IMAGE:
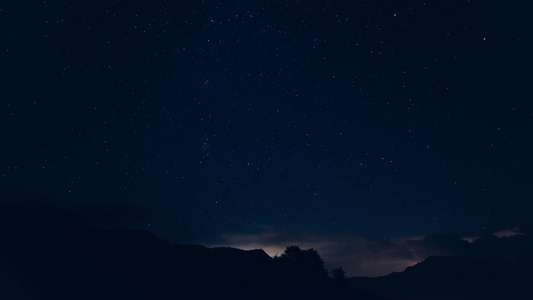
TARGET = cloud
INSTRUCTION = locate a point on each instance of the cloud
(440, 245)
(508, 232)
(363, 256)
(358, 255)
(89, 211)
(105, 215)
(108, 215)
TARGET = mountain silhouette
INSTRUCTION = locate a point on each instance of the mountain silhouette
(449, 278)
(48, 253)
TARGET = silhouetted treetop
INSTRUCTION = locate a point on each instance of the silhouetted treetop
(339, 275)
(301, 267)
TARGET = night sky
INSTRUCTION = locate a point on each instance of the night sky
(347, 126)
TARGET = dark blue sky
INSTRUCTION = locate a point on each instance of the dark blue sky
(366, 118)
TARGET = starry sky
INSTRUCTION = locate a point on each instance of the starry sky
(331, 124)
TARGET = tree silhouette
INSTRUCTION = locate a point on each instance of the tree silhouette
(339, 275)
(301, 268)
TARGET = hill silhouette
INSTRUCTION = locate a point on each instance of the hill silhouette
(453, 278)
(48, 253)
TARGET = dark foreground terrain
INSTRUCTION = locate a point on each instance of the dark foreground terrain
(48, 253)
(453, 278)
